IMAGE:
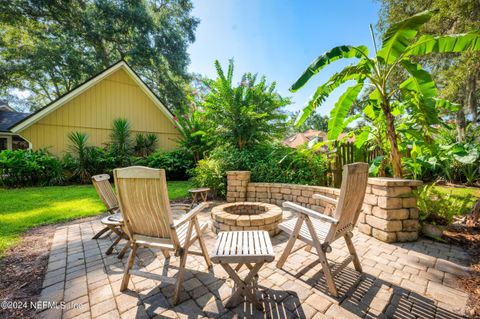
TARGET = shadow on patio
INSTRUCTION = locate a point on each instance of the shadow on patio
(397, 282)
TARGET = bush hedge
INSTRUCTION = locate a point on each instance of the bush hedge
(268, 163)
(22, 168)
(27, 168)
(176, 163)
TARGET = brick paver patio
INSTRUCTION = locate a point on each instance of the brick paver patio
(409, 280)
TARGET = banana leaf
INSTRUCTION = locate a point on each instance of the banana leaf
(337, 53)
(400, 35)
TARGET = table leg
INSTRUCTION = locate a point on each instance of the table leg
(246, 287)
(194, 200)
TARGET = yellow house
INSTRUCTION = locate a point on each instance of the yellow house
(117, 92)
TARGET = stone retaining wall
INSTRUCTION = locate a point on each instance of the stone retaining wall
(389, 212)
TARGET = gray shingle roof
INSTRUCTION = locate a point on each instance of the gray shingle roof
(8, 119)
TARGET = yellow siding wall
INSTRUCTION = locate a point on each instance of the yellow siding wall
(93, 112)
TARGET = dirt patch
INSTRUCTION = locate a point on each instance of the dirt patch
(22, 270)
(469, 239)
(23, 267)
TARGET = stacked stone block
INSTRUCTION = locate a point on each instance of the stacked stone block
(390, 210)
(237, 182)
(277, 193)
(246, 216)
(389, 213)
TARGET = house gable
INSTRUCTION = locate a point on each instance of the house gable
(118, 94)
(34, 117)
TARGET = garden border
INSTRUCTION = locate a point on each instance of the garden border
(389, 213)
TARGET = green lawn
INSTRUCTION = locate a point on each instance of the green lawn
(460, 197)
(460, 191)
(25, 208)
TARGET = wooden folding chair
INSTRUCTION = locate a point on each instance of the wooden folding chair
(319, 231)
(107, 195)
(142, 193)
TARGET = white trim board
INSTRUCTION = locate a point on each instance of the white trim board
(84, 87)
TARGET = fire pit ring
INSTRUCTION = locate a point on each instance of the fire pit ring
(247, 216)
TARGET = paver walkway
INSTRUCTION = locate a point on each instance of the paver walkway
(410, 280)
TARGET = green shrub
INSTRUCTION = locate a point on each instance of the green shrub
(439, 208)
(272, 163)
(120, 146)
(176, 163)
(27, 168)
(145, 144)
(95, 160)
(210, 172)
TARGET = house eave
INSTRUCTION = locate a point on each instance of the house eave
(49, 108)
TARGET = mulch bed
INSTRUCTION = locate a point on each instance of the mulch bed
(469, 239)
(22, 270)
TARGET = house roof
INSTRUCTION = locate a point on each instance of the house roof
(4, 107)
(302, 138)
(52, 106)
(8, 119)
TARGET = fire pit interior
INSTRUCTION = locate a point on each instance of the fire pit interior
(247, 216)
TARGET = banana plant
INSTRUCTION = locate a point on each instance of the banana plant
(417, 93)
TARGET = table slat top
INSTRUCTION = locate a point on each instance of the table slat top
(199, 190)
(243, 246)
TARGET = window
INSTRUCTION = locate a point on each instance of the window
(3, 143)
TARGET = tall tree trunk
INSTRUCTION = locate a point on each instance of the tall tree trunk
(395, 156)
(472, 96)
(461, 124)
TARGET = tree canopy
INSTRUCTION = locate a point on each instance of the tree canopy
(457, 74)
(244, 114)
(416, 96)
(49, 47)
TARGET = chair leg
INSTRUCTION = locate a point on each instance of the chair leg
(202, 245)
(291, 242)
(165, 253)
(100, 233)
(181, 273)
(126, 274)
(327, 272)
(323, 259)
(124, 250)
(353, 253)
(115, 242)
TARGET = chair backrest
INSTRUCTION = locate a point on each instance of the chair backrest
(105, 191)
(143, 196)
(352, 194)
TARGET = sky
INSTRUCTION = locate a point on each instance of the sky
(279, 39)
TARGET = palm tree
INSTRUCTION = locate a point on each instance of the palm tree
(79, 149)
(121, 142)
(417, 93)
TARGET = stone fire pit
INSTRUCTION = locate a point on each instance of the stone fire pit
(246, 216)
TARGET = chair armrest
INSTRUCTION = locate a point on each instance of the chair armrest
(190, 215)
(183, 207)
(327, 199)
(114, 210)
(310, 212)
(180, 205)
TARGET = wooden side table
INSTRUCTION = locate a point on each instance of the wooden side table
(249, 248)
(199, 194)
